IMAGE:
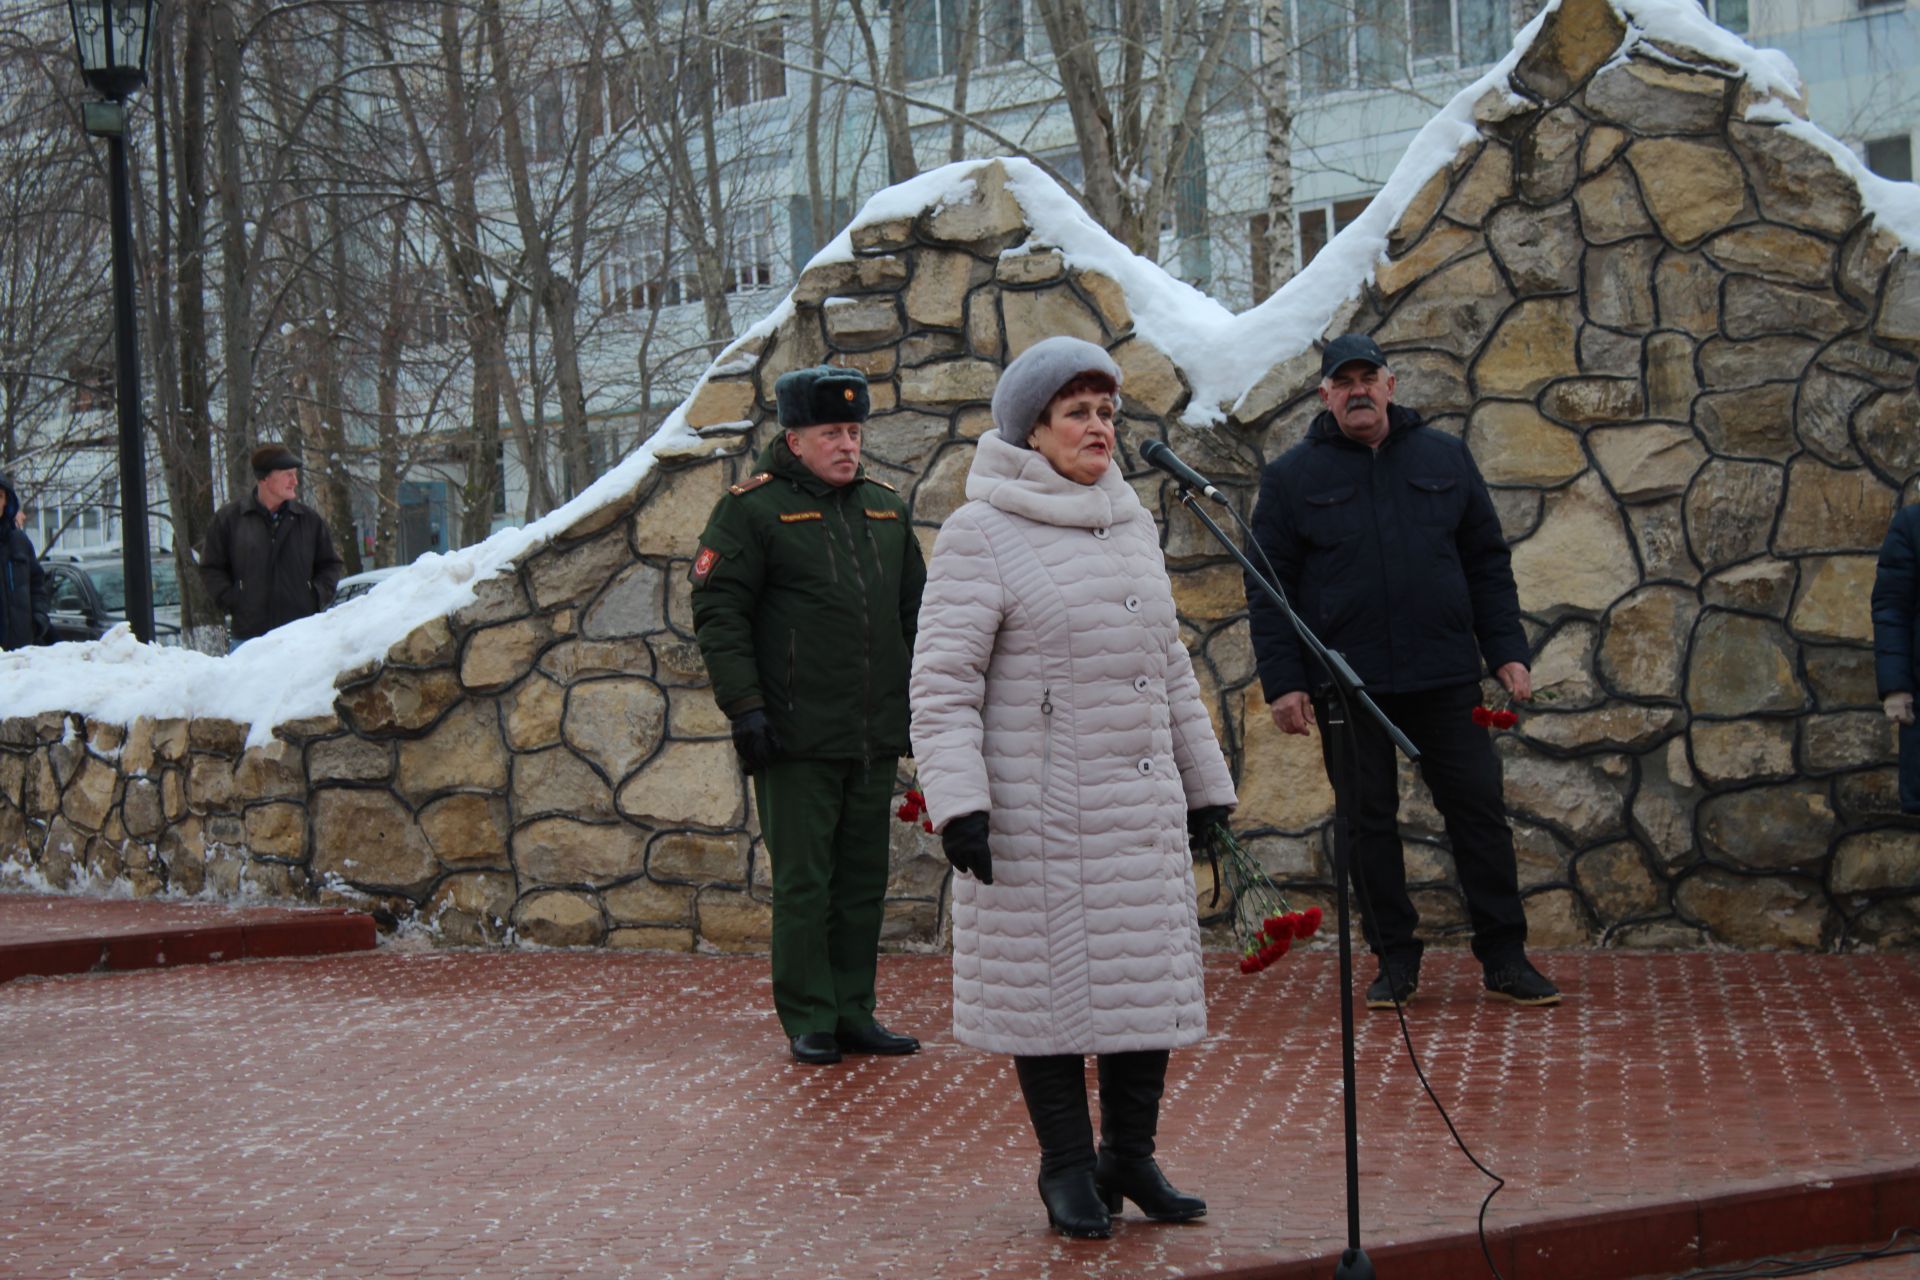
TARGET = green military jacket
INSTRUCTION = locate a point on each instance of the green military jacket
(805, 602)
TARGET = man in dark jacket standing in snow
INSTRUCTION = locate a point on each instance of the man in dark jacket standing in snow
(23, 583)
(806, 596)
(268, 558)
(1387, 544)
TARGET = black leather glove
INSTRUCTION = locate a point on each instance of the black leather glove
(965, 840)
(1200, 825)
(754, 741)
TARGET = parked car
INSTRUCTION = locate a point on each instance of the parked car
(89, 595)
(358, 584)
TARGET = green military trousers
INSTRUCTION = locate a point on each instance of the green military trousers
(825, 823)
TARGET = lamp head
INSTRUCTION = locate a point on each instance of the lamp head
(111, 38)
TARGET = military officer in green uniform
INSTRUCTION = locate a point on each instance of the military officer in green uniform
(806, 595)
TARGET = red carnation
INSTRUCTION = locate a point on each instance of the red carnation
(1504, 719)
(1278, 926)
(1308, 924)
(1483, 716)
(1251, 964)
(911, 807)
(926, 824)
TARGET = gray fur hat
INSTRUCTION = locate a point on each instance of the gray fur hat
(1030, 383)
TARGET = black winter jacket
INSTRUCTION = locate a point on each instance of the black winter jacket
(23, 583)
(1393, 556)
(267, 573)
(1896, 605)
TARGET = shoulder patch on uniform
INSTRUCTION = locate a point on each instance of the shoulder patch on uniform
(703, 565)
(882, 515)
(750, 483)
(882, 483)
(789, 517)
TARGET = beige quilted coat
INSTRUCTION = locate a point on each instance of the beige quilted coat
(1051, 689)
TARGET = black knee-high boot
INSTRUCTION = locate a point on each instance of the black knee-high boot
(1130, 1089)
(1055, 1089)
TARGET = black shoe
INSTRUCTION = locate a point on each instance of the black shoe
(1517, 980)
(1142, 1182)
(816, 1048)
(1393, 983)
(1073, 1205)
(874, 1038)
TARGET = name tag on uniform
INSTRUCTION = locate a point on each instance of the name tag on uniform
(790, 517)
(881, 515)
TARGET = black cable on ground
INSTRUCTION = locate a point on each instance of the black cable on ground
(1774, 1267)
(1399, 1010)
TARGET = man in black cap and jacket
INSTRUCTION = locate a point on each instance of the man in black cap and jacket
(1387, 544)
(806, 597)
(23, 583)
(268, 558)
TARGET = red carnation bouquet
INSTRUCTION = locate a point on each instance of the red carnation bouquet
(1264, 922)
(1495, 717)
(913, 808)
(1498, 713)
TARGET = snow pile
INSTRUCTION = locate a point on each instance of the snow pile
(288, 673)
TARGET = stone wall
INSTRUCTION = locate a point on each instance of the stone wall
(1681, 353)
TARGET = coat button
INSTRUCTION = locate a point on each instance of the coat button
(1133, 604)
(1099, 533)
(1146, 766)
(1140, 684)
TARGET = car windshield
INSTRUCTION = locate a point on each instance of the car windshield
(110, 579)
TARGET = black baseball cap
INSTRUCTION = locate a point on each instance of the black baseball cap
(1347, 349)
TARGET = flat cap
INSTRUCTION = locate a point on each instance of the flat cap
(1347, 349)
(269, 458)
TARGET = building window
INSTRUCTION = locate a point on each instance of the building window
(750, 249)
(1892, 157)
(548, 137)
(1347, 44)
(1232, 85)
(1731, 14)
(1459, 33)
(1003, 32)
(611, 106)
(751, 66)
(1320, 223)
(92, 387)
(934, 33)
(636, 275)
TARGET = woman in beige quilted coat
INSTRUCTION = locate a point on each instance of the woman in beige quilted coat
(1063, 748)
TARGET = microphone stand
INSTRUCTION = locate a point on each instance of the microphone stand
(1354, 1264)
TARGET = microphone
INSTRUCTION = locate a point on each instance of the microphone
(1156, 454)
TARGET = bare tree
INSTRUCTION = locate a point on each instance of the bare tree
(1274, 258)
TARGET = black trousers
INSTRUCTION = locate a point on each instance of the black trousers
(1462, 772)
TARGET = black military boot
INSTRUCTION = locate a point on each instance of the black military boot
(1055, 1089)
(1130, 1089)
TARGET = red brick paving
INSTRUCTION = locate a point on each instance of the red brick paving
(570, 1114)
(49, 935)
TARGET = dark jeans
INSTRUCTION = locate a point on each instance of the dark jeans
(1910, 768)
(1457, 761)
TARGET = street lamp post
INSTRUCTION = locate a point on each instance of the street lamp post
(111, 37)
